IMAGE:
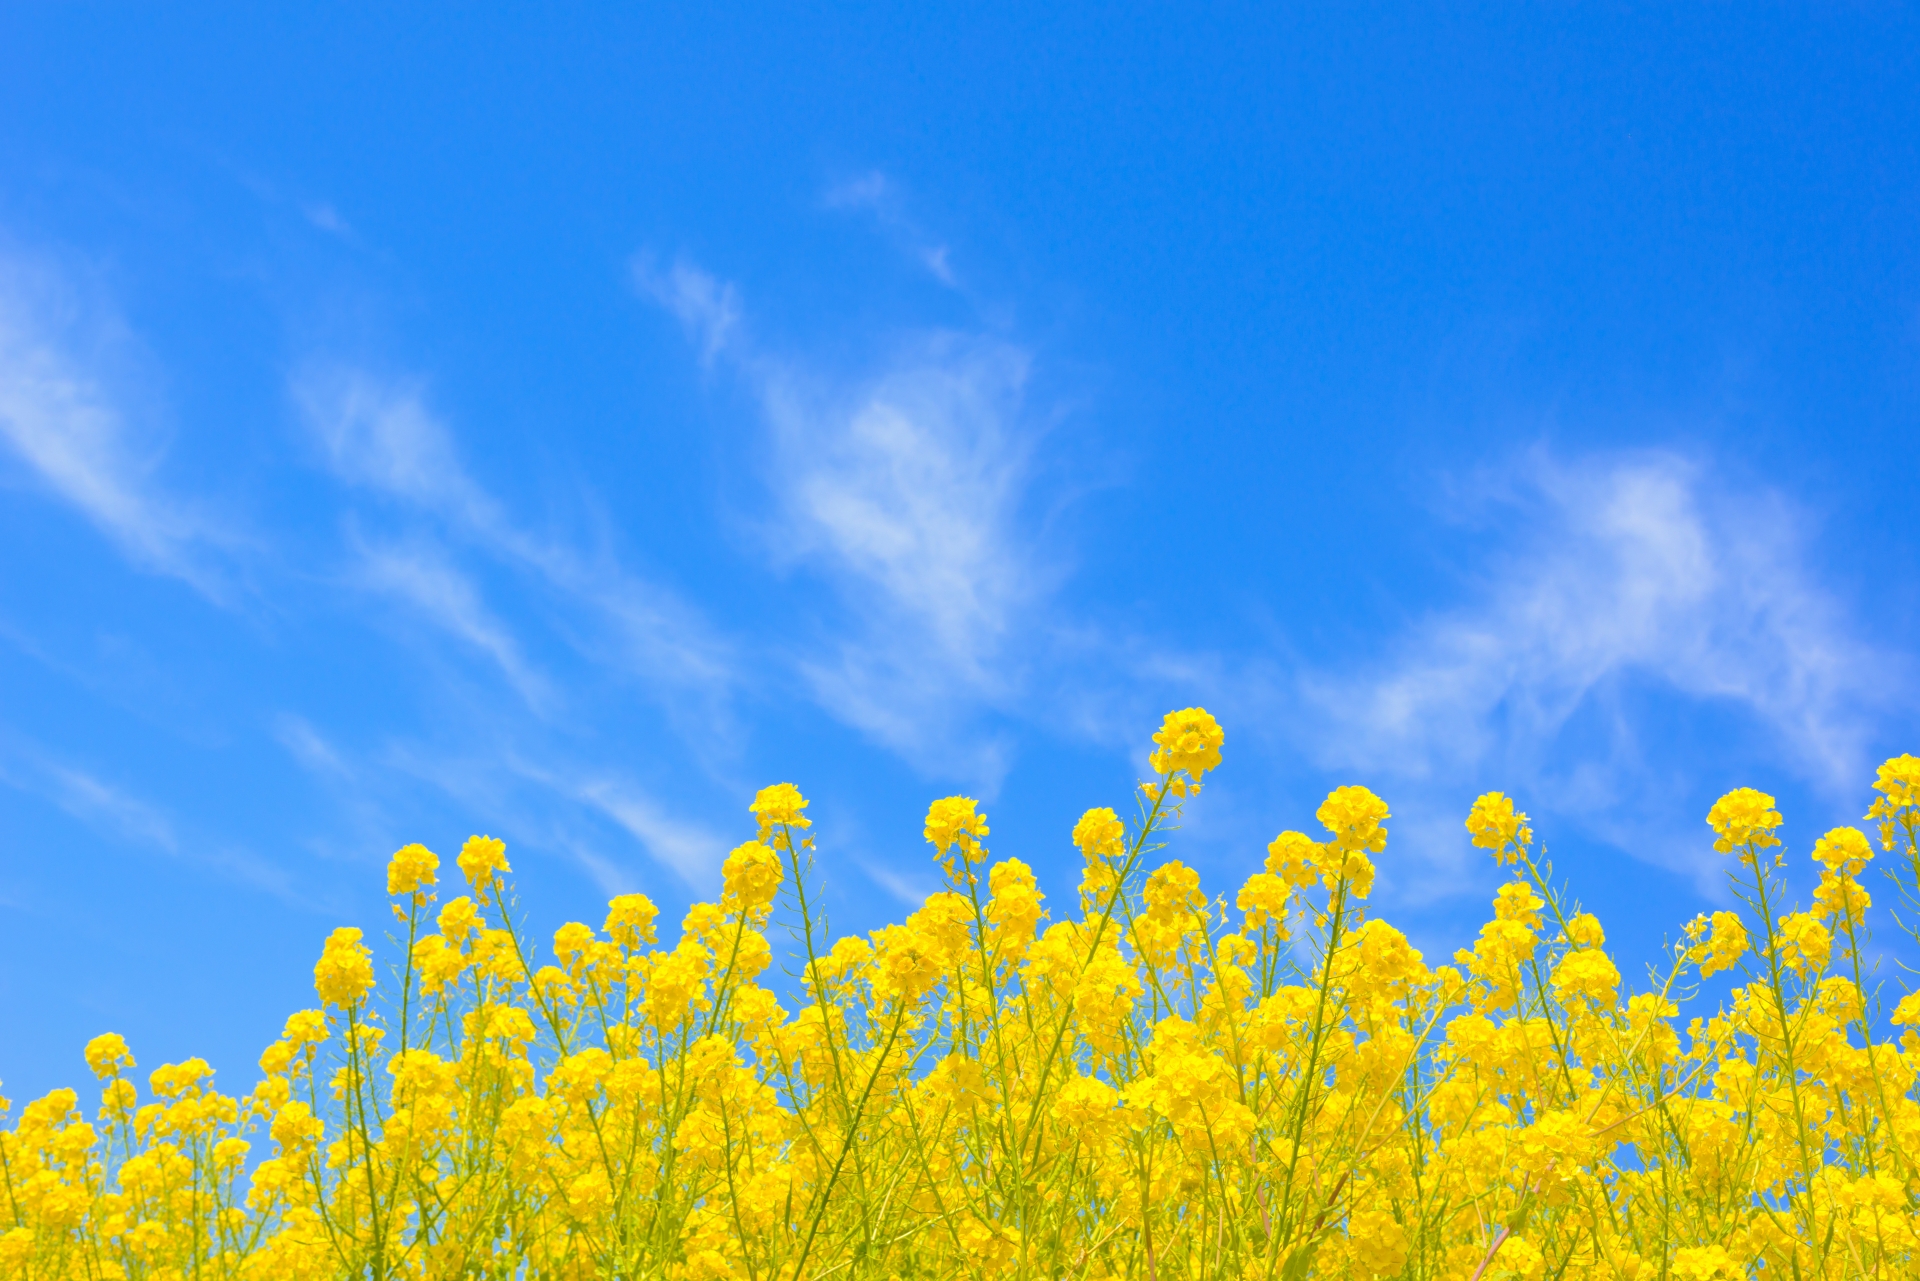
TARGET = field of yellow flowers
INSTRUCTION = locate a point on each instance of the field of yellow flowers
(1157, 1084)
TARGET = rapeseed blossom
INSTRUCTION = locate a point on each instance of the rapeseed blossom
(1163, 1082)
(411, 869)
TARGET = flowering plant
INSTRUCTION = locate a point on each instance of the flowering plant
(1161, 1084)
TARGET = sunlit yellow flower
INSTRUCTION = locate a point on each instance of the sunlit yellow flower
(956, 821)
(459, 919)
(1264, 899)
(1805, 943)
(1744, 817)
(1188, 742)
(779, 810)
(1294, 857)
(1844, 850)
(752, 877)
(1496, 826)
(411, 868)
(1727, 945)
(630, 920)
(344, 972)
(482, 859)
(1354, 815)
(107, 1055)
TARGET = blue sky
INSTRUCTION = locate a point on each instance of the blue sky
(429, 422)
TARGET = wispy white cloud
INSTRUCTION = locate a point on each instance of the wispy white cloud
(881, 197)
(548, 799)
(105, 807)
(324, 217)
(906, 487)
(381, 434)
(904, 887)
(707, 307)
(442, 594)
(693, 852)
(1621, 572)
(118, 813)
(308, 747)
(378, 432)
(75, 414)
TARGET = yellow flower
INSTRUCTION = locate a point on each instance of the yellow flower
(1704, 1263)
(1744, 817)
(630, 920)
(460, 918)
(1727, 945)
(107, 1054)
(1844, 850)
(1189, 743)
(1841, 896)
(1102, 840)
(1495, 826)
(1294, 858)
(438, 964)
(305, 1027)
(571, 942)
(1353, 815)
(956, 820)
(1516, 901)
(751, 876)
(778, 809)
(1584, 931)
(1587, 973)
(482, 859)
(1805, 944)
(171, 1080)
(411, 867)
(1264, 899)
(1100, 835)
(1014, 911)
(1898, 783)
(344, 972)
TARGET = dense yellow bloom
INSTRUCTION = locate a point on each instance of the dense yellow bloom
(1842, 897)
(1587, 974)
(460, 919)
(1805, 943)
(751, 877)
(107, 1054)
(1584, 930)
(1187, 742)
(1354, 815)
(956, 821)
(411, 868)
(1139, 1090)
(630, 920)
(1844, 851)
(1100, 835)
(482, 860)
(1897, 808)
(778, 809)
(1101, 839)
(344, 972)
(1264, 899)
(1727, 945)
(1898, 781)
(1294, 858)
(1744, 817)
(1496, 826)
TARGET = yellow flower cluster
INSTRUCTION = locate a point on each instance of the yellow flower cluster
(1163, 1084)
